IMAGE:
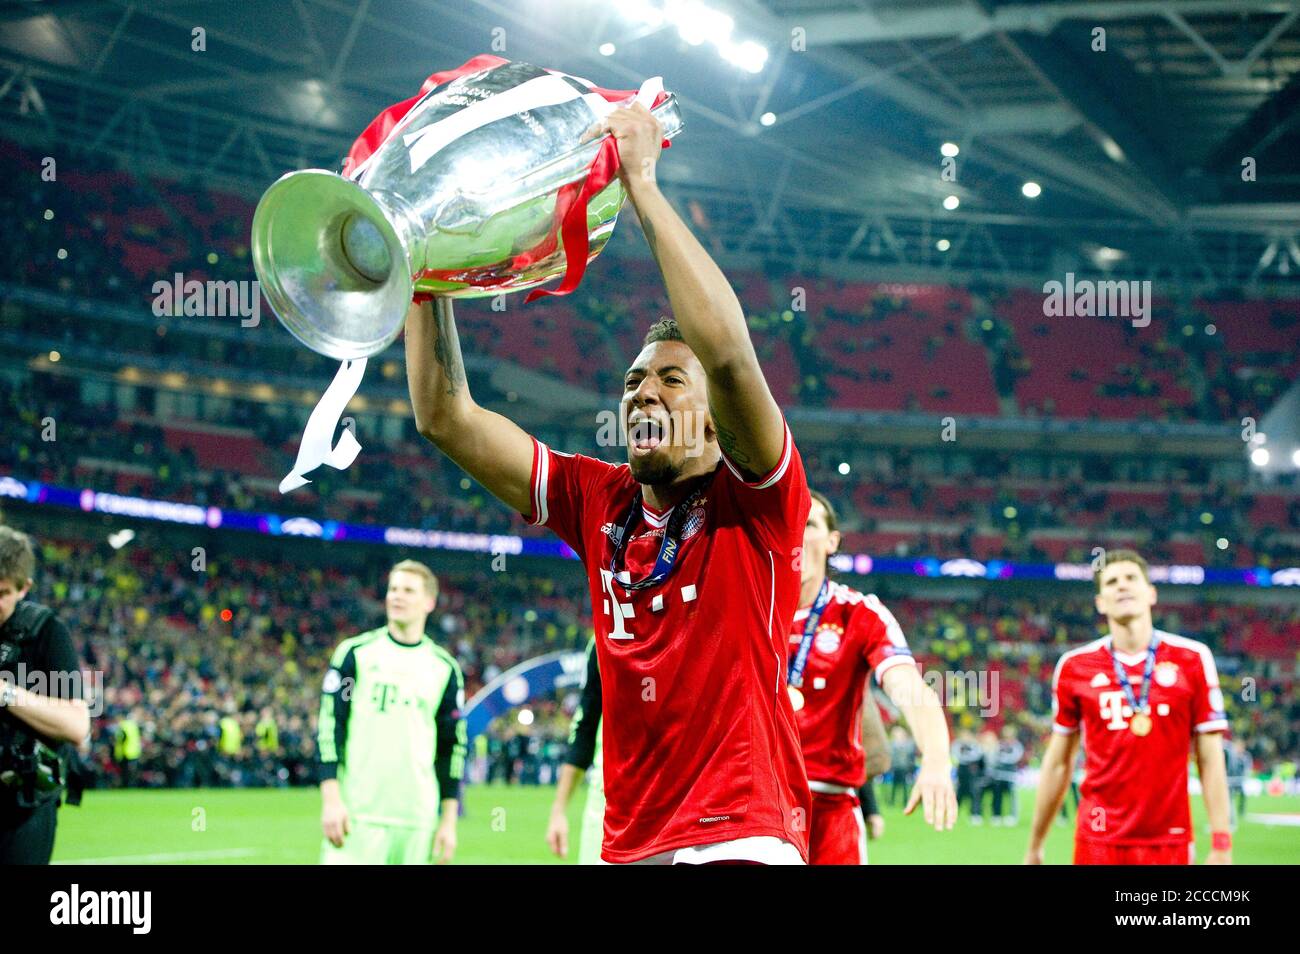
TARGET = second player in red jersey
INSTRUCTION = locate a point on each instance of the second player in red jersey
(838, 638)
(1139, 697)
(691, 548)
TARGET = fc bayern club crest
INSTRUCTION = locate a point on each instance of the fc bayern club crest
(827, 641)
(1166, 674)
(694, 521)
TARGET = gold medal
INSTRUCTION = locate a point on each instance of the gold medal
(1140, 724)
(796, 698)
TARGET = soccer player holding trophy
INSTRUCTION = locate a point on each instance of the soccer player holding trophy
(1140, 696)
(692, 558)
(496, 178)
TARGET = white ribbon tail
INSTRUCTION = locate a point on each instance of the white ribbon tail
(646, 96)
(315, 449)
(650, 91)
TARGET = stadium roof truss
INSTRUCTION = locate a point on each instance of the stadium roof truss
(1141, 148)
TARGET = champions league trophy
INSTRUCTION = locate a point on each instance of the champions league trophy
(487, 182)
(465, 197)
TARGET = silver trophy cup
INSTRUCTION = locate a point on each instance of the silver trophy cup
(459, 200)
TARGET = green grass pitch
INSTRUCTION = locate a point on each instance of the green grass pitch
(506, 825)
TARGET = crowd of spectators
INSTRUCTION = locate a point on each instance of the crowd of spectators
(183, 651)
(92, 231)
(989, 505)
(216, 673)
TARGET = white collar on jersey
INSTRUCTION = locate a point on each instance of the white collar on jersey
(1133, 659)
(656, 521)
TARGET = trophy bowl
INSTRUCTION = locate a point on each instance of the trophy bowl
(464, 198)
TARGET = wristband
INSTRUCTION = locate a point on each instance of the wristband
(1221, 841)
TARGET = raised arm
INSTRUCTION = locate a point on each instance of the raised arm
(748, 423)
(492, 449)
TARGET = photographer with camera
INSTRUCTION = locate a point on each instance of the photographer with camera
(39, 730)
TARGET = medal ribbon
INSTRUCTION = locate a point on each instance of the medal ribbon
(669, 549)
(1121, 675)
(809, 630)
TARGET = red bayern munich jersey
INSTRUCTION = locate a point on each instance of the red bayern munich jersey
(856, 634)
(1134, 790)
(700, 744)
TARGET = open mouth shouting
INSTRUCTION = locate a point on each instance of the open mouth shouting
(645, 434)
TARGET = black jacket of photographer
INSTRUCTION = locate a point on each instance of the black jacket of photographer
(36, 653)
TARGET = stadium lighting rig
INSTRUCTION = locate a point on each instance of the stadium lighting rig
(698, 23)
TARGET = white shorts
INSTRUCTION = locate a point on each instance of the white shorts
(764, 849)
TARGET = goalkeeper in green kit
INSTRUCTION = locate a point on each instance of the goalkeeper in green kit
(391, 740)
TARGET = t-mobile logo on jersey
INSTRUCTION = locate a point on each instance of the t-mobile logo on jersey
(1114, 709)
(622, 612)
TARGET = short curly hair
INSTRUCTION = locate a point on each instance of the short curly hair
(665, 329)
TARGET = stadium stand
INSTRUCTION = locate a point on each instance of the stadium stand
(175, 667)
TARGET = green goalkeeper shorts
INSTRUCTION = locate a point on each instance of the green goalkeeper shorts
(380, 845)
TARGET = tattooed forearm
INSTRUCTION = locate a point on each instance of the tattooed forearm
(447, 348)
(648, 227)
(728, 442)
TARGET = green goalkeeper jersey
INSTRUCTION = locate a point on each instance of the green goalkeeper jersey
(391, 730)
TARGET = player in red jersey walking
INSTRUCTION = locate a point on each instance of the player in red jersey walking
(1140, 696)
(837, 639)
(691, 550)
